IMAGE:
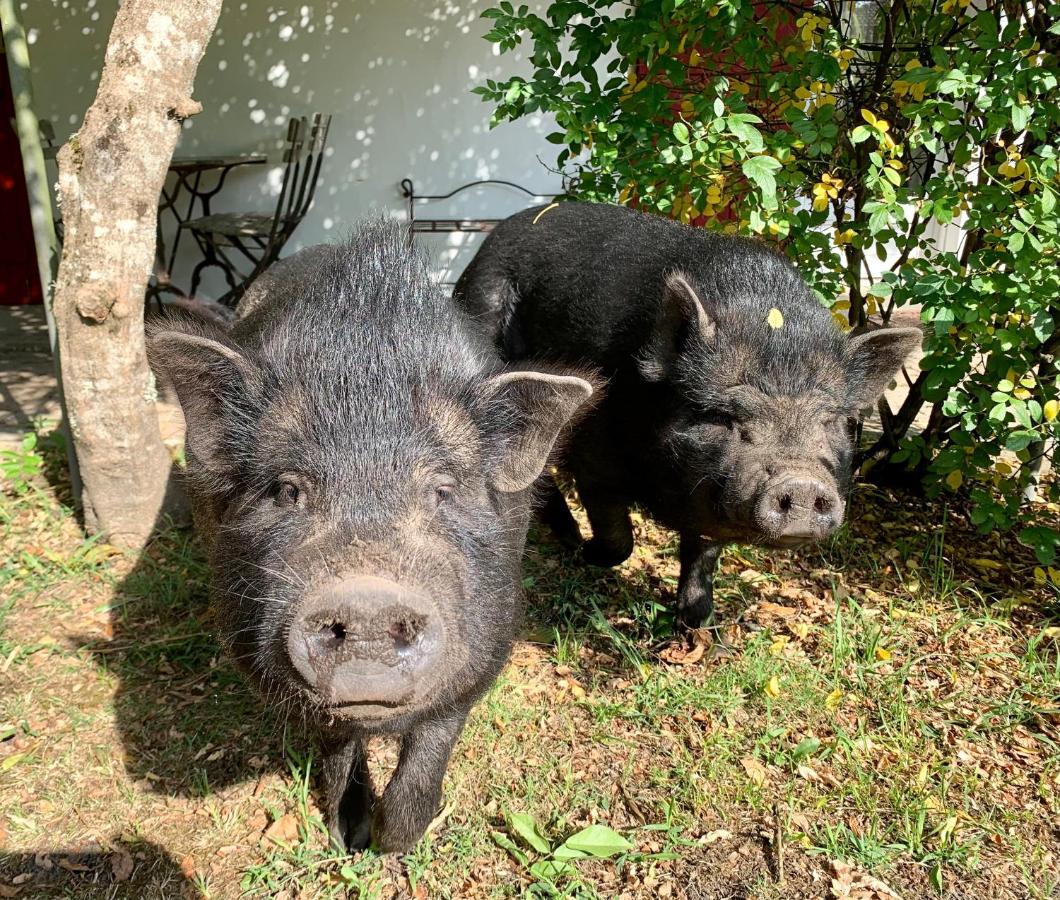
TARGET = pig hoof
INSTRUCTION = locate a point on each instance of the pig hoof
(697, 613)
(605, 555)
(348, 837)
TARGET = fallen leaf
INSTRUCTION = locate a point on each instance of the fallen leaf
(758, 773)
(283, 831)
(121, 864)
(768, 608)
(833, 700)
(772, 687)
(883, 654)
(187, 867)
(72, 866)
(7, 890)
(712, 837)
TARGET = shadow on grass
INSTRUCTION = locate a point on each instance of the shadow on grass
(189, 724)
(140, 871)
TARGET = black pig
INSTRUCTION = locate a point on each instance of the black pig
(731, 391)
(360, 465)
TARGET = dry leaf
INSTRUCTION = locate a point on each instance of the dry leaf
(121, 865)
(758, 773)
(72, 866)
(187, 867)
(712, 837)
(8, 891)
(283, 831)
(772, 687)
(767, 608)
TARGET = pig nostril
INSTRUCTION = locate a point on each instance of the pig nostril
(784, 502)
(332, 635)
(822, 505)
(404, 631)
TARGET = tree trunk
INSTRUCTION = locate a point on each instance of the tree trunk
(110, 176)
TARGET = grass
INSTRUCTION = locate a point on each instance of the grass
(890, 700)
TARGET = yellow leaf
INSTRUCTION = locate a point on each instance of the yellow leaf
(772, 687)
(987, 564)
(868, 117)
(775, 318)
(833, 700)
(1039, 574)
(955, 479)
(922, 777)
(777, 647)
(1050, 410)
(883, 654)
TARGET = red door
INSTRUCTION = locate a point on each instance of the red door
(19, 277)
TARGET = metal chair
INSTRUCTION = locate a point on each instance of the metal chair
(258, 238)
(50, 149)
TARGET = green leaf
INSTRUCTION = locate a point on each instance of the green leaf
(1021, 115)
(760, 169)
(599, 841)
(807, 746)
(680, 130)
(506, 843)
(550, 870)
(524, 826)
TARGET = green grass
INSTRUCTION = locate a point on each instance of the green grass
(881, 699)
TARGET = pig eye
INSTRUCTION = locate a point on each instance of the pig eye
(286, 493)
(444, 492)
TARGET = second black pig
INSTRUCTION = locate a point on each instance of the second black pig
(731, 390)
(360, 465)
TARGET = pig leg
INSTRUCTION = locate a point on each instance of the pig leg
(695, 588)
(612, 540)
(557, 515)
(347, 793)
(412, 798)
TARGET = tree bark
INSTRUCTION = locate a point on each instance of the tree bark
(110, 176)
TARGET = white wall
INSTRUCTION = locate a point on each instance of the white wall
(395, 75)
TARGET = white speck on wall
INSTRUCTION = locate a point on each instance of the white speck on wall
(286, 33)
(278, 75)
(274, 180)
(31, 36)
(222, 64)
(257, 116)
(126, 226)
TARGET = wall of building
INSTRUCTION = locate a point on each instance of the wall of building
(395, 75)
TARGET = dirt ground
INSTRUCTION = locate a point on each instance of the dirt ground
(876, 717)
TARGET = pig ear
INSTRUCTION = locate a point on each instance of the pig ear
(539, 405)
(683, 318)
(206, 373)
(874, 360)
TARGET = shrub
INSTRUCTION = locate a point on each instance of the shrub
(902, 152)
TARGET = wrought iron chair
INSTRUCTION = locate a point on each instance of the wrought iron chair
(50, 149)
(258, 238)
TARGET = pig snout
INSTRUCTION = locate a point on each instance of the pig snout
(795, 510)
(366, 640)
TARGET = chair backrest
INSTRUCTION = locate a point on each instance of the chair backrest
(302, 156)
(49, 145)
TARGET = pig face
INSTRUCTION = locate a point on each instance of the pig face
(361, 468)
(767, 393)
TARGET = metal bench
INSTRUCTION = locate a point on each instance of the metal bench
(418, 224)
